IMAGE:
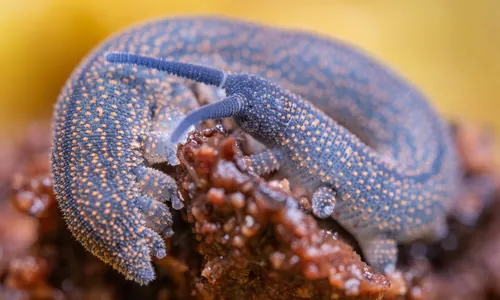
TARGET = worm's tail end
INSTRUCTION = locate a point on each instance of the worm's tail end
(194, 72)
(224, 108)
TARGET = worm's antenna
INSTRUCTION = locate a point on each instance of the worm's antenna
(224, 108)
(194, 72)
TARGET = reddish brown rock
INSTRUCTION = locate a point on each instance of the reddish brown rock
(256, 240)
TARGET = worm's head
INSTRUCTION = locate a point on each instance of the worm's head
(265, 108)
(259, 107)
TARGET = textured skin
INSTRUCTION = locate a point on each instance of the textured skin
(112, 120)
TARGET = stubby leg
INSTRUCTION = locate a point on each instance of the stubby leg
(323, 202)
(157, 215)
(266, 161)
(380, 252)
(157, 148)
(169, 111)
(156, 244)
(158, 186)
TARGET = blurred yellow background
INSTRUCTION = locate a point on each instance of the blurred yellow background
(449, 48)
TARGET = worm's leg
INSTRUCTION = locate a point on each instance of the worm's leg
(168, 112)
(157, 148)
(158, 185)
(323, 202)
(155, 243)
(157, 215)
(266, 161)
(380, 252)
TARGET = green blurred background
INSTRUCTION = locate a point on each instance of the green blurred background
(449, 48)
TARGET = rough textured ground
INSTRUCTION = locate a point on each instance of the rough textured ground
(241, 237)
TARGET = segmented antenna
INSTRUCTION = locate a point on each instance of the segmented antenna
(197, 73)
(224, 108)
